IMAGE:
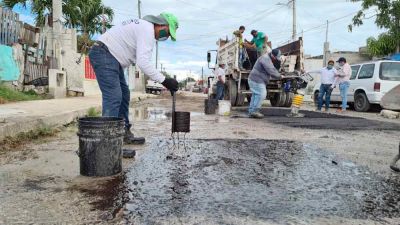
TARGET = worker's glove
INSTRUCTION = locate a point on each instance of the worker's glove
(171, 84)
(331, 88)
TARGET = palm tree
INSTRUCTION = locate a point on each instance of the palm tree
(39, 8)
(86, 16)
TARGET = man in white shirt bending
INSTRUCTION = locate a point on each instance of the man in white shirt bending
(132, 42)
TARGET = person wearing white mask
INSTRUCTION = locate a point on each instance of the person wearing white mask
(327, 82)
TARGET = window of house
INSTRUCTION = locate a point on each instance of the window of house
(137, 74)
(366, 71)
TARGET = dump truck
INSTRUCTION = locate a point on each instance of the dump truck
(279, 92)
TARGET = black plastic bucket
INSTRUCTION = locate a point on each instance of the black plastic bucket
(210, 106)
(100, 145)
(181, 122)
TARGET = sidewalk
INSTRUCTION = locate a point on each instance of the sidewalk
(25, 116)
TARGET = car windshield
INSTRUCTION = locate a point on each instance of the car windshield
(390, 71)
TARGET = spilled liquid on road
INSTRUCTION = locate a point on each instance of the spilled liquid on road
(223, 181)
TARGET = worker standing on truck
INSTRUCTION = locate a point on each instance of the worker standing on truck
(259, 41)
(327, 83)
(342, 78)
(266, 66)
(220, 75)
(239, 35)
(130, 43)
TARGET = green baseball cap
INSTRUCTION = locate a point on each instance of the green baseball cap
(172, 22)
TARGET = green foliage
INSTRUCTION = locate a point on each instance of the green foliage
(86, 16)
(11, 143)
(93, 112)
(384, 45)
(39, 8)
(9, 95)
(84, 44)
(387, 17)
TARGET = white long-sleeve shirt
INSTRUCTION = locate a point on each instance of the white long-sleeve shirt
(343, 74)
(328, 76)
(133, 42)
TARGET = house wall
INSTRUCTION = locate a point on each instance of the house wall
(9, 69)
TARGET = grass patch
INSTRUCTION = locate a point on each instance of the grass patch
(10, 143)
(93, 112)
(9, 95)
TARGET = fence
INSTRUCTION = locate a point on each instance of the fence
(89, 72)
(36, 74)
(13, 31)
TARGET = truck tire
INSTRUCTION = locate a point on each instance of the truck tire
(241, 97)
(289, 99)
(361, 103)
(232, 90)
(278, 99)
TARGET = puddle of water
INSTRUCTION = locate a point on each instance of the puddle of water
(269, 181)
(150, 113)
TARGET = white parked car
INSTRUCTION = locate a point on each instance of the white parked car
(368, 83)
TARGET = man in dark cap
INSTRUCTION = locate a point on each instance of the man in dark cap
(267, 66)
(259, 41)
(342, 78)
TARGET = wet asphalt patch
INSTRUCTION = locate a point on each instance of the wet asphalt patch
(243, 181)
(318, 120)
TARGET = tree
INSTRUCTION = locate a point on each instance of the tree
(387, 17)
(39, 8)
(88, 17)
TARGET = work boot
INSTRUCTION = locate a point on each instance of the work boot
(256, 115)
(130, 139)
(128, 153)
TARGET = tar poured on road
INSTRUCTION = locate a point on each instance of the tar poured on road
(326, 121)
(245, 181)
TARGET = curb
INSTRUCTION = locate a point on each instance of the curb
(27, 124)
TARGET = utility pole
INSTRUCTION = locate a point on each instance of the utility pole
(202, 77)
(104, 22)
(156, 54)
(326, 45)
(139, 13)
(294, 20)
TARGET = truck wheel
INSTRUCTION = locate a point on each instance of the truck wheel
(278, 99)
(289, 99)
(361, 103)
(232, 90)
(241, 97)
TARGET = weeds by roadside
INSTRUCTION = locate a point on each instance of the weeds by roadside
(10, 143)
(93, 112)
(9, 95)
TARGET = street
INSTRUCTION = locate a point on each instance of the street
(320, 169)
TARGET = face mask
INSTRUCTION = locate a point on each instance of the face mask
(330, 67)
(277, 64)
(163, 35)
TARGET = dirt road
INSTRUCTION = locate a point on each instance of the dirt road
(321, 169)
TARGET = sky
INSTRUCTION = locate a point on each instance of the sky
(201, 23)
